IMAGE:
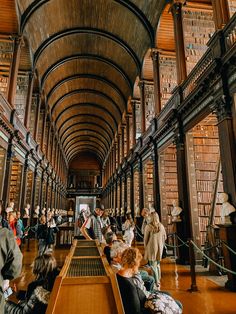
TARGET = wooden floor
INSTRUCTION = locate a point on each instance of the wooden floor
(210, 299)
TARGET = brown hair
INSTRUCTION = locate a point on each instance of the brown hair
(131, 257)
(44, 265)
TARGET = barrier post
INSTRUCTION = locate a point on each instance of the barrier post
(194, 287)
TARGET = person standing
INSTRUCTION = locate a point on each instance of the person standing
(92, 227)
(10, 260)
(128, 228)
(154, 241)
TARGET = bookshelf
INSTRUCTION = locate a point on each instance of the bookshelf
(168, 77)
(149, 102)
(232, 7)
(2, 168)
(168, 184)
(138, 119)
(21, 95)
(198, 27)
(148, 183)
(128, 193)
(203, 161)
(29, 186)
(40, 127)
(6, 53)
(136, 193)
(33, 115)
(123, 194)
(37, 191)
(131, 133)
(15, 182)
(118, 195)
(43, 194)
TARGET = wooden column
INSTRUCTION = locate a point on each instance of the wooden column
(133, 104)
(44, 129)
(7, 173)
(48, 140)
(142, 105)
(125, 192)
(14, 71)
(37, 117)
(120, 182)
(221, 13)
(176, 10)
(132, 190)
(127, 133)
(29, 100)
(122, 142)
(24, 183)
(222, 109)
(118, 150)
(156, 80)
(116, 192)
(156, 184)
(32, 205)
(114, 156)
(141, 191)
(52, 147)
(184, 229)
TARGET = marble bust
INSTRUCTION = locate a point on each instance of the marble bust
(10, 208)
(226, 208)
(176, 211)
(27, 211)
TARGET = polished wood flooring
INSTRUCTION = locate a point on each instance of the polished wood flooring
(210, 299)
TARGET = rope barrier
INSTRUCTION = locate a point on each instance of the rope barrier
(211, 260)
(175, 246)
(184, 243)
(228, 247)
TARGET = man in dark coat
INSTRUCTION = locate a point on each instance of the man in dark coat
(10, 260)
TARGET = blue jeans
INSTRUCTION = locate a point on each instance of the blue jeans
(155, 266)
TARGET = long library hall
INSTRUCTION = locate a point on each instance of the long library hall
(117, 156)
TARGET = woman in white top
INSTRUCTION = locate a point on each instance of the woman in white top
(128, 228)
(154, 241)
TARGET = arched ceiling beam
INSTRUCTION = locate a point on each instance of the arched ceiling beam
(129, 5)
(89, 91)
(88, 131)
(88, 115)
(84, 142)
(84, 123)
(86, 56)
(90, 150)
(81, 136)
(88, 105)
(30, 11)
(89, 76)
(91, 31)
(142, 17)
(79, 151)
(89, 145)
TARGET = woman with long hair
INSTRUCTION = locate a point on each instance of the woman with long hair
(154, 241)
(128, 228)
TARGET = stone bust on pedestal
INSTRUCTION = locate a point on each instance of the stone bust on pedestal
(175, 212)
(226, 208)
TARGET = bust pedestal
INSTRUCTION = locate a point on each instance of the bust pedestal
(227, 234)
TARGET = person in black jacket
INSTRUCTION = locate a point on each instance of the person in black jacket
(38, 291)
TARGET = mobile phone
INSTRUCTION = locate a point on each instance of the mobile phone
(7, 292)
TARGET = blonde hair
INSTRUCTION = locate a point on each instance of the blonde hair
(131, 257)
(155, 222)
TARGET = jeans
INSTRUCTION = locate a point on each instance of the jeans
(148, 280)
(155, 266)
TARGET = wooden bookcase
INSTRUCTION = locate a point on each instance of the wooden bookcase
(6, 53)
(148, 183)
(128, 193)
(2, 168)
(168, 184)
(136, 193)
(203, 162)
(118, 196)
(21, 95)
(29, 187)
(198, 27)
(40, 127)
(168, 77)
(15, 183)
(138, 119)
(37, 191)
(123, 194)
(149, 102)
(33, 115)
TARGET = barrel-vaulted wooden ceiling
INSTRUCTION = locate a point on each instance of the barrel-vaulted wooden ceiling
(88, 54)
